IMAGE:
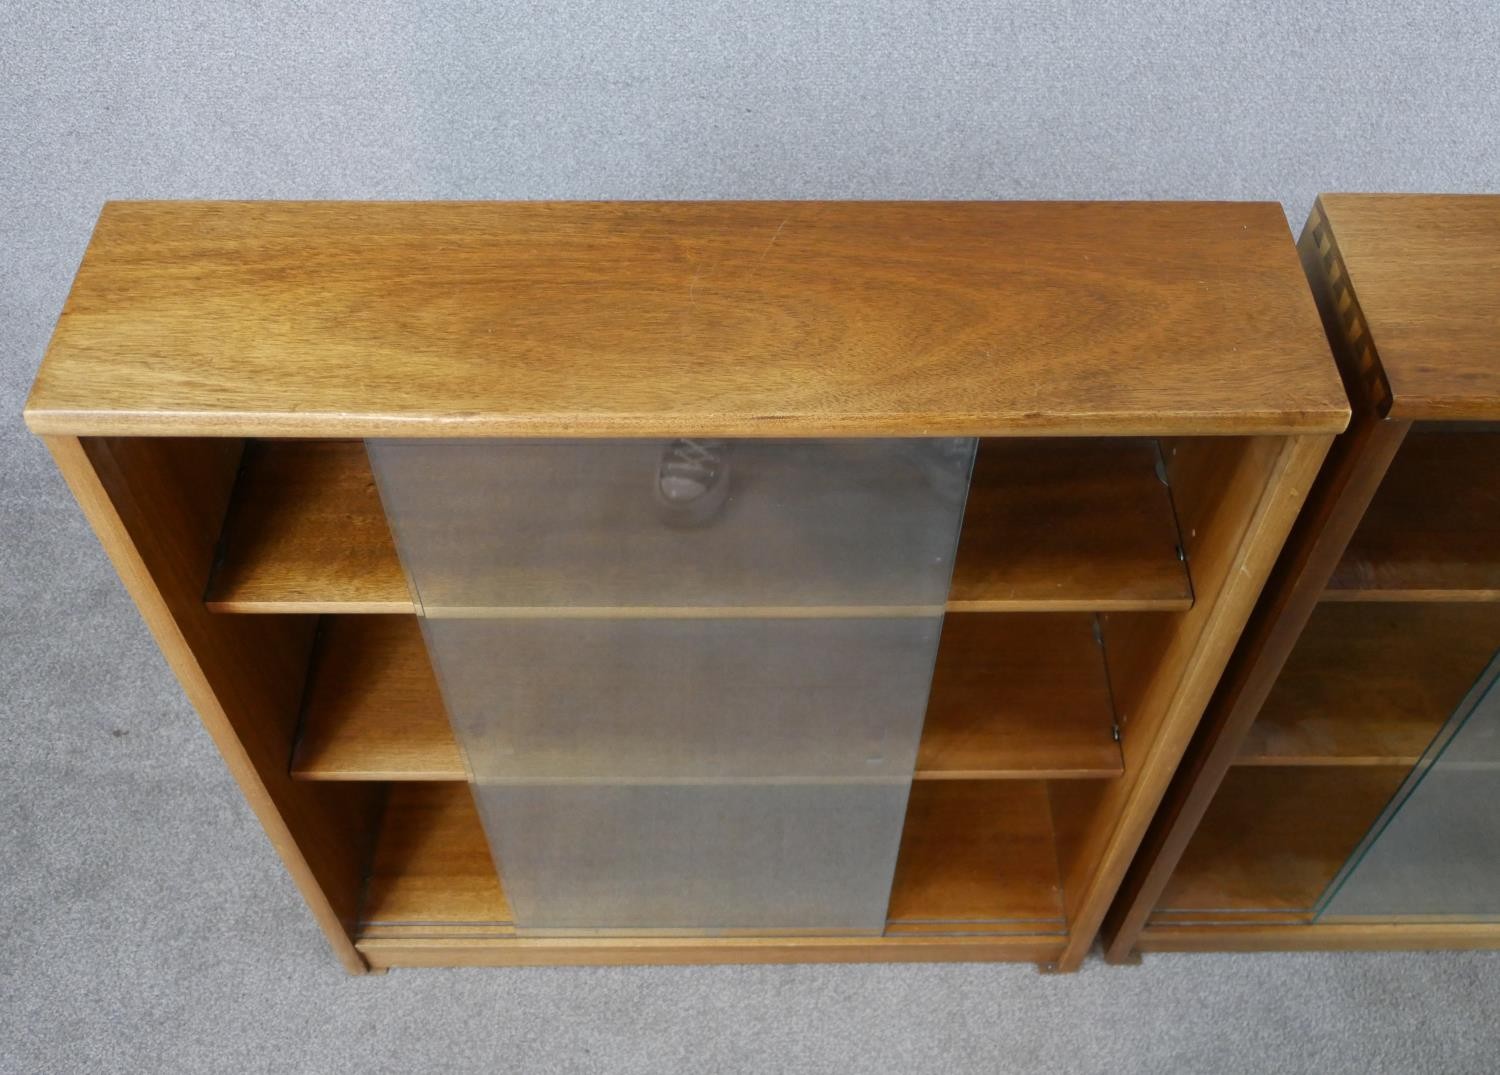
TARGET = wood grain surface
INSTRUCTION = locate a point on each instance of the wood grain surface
(1425, 273)
(1236, 500)
(697, 318)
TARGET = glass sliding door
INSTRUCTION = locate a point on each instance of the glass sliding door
(688, 676)
(1435, 851)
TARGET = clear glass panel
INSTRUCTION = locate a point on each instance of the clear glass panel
(1435, 851)
(689, 677)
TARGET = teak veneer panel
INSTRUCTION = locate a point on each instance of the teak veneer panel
(157, 506)
(687, 318)
(1274, 837)
(1079, 523)
(1236, 499)
(1425, 276)
(1050, 524)
(1372, 684)
(1012, 697)
(1432, 533)
(975, 857)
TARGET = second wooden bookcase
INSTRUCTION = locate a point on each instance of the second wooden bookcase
(1341, 792)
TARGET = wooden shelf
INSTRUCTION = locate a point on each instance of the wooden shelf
(1050, 525)
(1372, 684)
(976, 857)
(1068, 524)
(432, 870)
(1272, 840)
(305, 533)
(373, 710)
(1432, 533)
(1019, 696)
(1012, 697)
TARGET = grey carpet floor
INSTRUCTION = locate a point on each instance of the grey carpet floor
(146, 925)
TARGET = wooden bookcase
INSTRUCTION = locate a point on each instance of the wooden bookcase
(1382, 613)
(1149, 383)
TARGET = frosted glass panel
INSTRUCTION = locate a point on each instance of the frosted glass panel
(686, 699)
(1435, 852)
(596, 524)
(689, 677)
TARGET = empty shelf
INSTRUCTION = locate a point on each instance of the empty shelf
(305, 533)
(1432, 533)
(1272, 840)
(1064, 524)
(975, 858)
(1058, 524)
(1019, 696)
(1372, 684)
(1012, 697)
(432, 870)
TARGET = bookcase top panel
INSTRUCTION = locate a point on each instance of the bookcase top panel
(1425, 270)
(687, 318)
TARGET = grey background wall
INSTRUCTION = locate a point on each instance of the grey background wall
(145, 923)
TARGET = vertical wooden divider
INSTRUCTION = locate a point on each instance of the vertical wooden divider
(1236, 499)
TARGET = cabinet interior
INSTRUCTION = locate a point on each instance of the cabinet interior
(1409, 621)
(1076, 604)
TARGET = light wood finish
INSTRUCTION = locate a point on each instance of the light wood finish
(157, 506)
(1050, 525)
(432, 870)
(1274, 838)
(373, 710)
(1019, 696)
(1425, 275)
(1371, 685)
(1355, 465)
(1321, 937)
(976, 858)
(322, 321)
(672, 319)
(1069, 524)
(1012, 697)
(305, 532)
(631, 951)
(1236, 500)
(1432, 533)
